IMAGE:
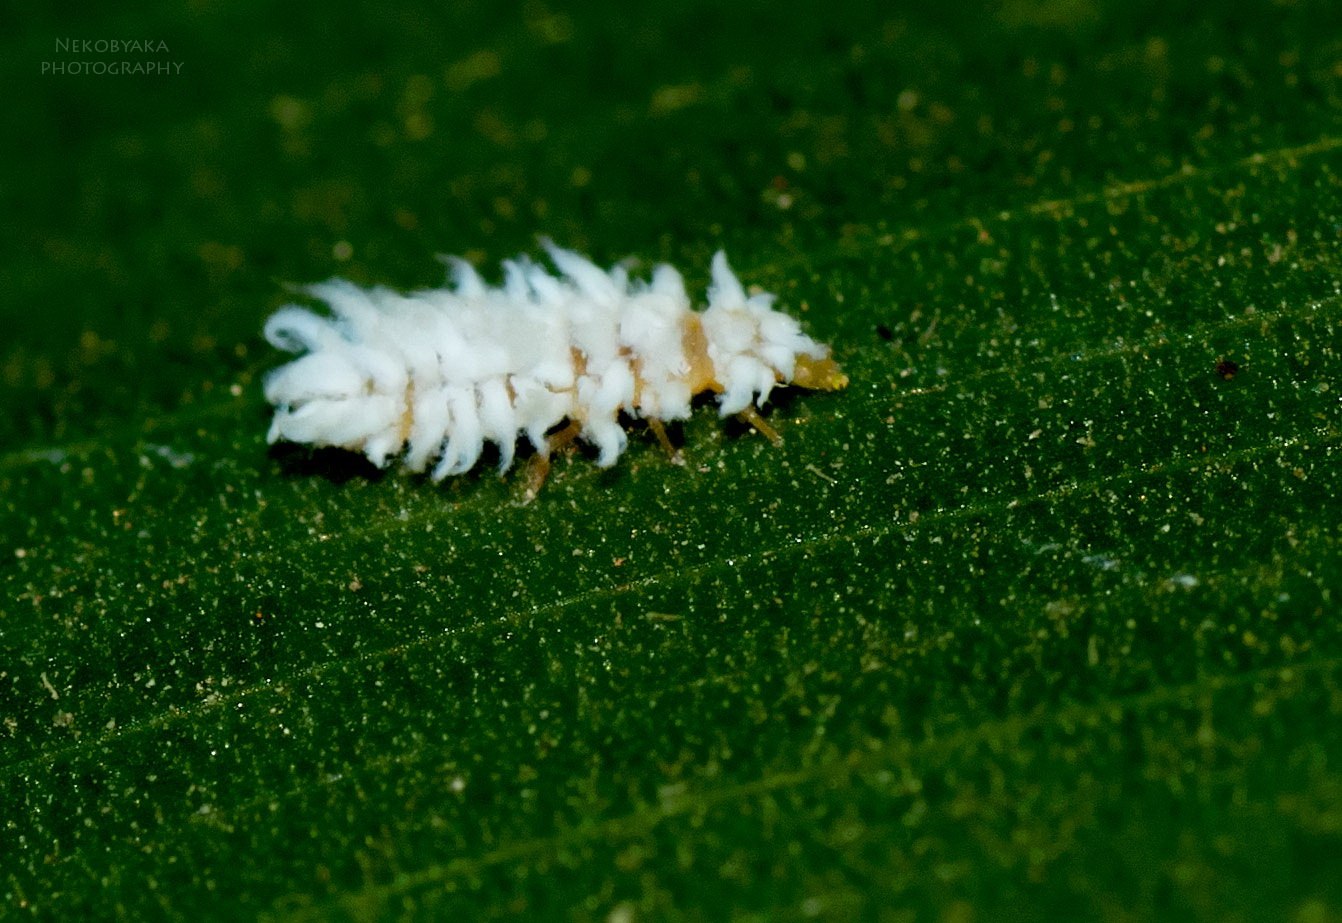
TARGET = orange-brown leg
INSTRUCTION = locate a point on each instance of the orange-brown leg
(538, 470)
(752, 416)
(659, 431)
(564, 437)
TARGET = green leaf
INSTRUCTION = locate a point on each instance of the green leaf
(1038, 618)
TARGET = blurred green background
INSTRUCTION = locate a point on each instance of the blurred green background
(1037, 619)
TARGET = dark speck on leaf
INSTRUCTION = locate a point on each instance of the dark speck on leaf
(884, 332)
(1226, 369)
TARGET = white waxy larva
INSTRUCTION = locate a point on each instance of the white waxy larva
(434, 375)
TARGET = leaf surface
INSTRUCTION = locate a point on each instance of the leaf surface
(1037, 618)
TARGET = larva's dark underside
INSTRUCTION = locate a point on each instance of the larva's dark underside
(433, 376)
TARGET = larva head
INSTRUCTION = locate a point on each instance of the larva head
(742, 353)
(738, 324)
(818, 374)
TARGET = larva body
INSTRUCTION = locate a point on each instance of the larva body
(434, 375)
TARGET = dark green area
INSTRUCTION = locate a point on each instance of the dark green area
(1037, 619)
